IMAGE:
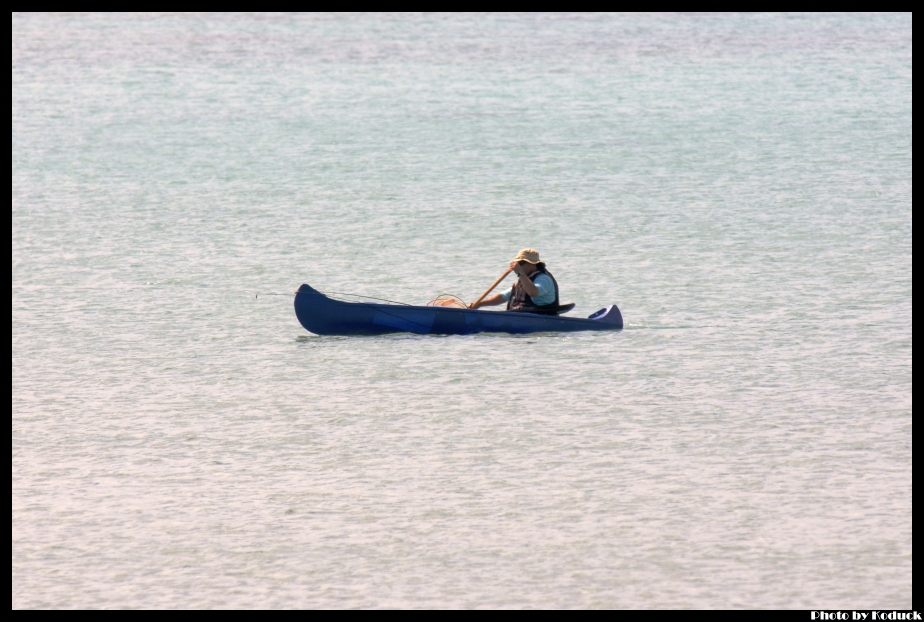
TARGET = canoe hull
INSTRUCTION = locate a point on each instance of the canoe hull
(325, 316)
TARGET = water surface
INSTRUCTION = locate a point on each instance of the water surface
(740, 185)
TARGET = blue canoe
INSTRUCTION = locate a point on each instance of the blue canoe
(322, 315)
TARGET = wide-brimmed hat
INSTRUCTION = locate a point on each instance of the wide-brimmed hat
(528, 255)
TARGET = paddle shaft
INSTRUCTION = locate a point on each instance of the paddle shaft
(490, 289)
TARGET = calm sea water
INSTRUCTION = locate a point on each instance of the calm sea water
(740, 185)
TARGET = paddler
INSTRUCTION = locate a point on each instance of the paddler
(535, 290)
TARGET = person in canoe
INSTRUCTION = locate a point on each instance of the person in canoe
(535, 291)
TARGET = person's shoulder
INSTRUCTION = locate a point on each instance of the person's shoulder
(544, 281)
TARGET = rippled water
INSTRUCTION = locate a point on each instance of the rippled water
(739, 185)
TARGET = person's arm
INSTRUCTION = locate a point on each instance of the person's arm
(490, 301)
(528, 286)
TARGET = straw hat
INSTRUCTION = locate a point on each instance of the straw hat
(528, 255)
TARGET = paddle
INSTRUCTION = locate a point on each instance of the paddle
(490, 289)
